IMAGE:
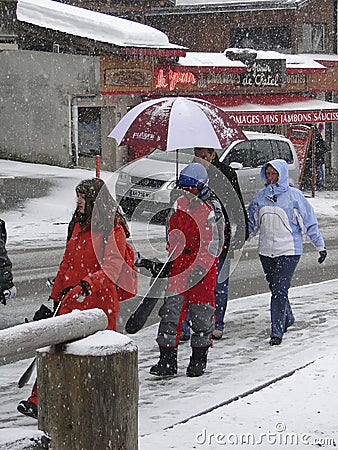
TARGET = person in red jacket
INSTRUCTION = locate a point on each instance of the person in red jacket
(91, 262)
(195, 239)
(90, 265)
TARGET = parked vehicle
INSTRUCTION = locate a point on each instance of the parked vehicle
(145, 184)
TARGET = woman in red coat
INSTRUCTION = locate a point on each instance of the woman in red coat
(91, 263)
(94, 253)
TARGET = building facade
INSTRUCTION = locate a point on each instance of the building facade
(53, 108)
(128, 9)
(91, 84)
(296, 26)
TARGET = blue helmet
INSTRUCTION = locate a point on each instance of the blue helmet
(194, 175)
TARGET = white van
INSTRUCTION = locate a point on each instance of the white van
(146, 183)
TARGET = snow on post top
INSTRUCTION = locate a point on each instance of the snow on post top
(101, 343)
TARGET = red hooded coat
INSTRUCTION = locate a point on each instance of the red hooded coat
(87, 258)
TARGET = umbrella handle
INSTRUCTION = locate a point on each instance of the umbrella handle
(177, 165)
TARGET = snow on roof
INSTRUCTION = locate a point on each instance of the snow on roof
(208, 59)
(300, 61)
(90, 24)
(323, 57)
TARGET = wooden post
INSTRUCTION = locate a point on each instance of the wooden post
(88, 394)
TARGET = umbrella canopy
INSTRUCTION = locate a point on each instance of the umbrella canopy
(171, 123)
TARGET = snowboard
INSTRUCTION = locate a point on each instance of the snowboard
(139, 317)
(25, 377)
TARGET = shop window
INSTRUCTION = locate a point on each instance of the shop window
(89, 131)
(261, 38)
(313, 37)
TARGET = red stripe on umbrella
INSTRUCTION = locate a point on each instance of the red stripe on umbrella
(176, 122)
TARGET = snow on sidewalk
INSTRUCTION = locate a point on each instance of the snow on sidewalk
(238, 364)
(297, 412)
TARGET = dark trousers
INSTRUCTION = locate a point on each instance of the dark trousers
(279, 272)
(221, 292)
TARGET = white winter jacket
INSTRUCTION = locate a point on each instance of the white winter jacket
(281, 214)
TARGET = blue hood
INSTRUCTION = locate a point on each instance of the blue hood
(283, 180)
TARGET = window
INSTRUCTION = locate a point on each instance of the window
(318, 38)
(313, 37)
(263, 150)
(89, 131)
(284, 151)
(261, 38)
(241, 153)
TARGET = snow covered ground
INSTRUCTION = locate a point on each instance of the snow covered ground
(252, 395)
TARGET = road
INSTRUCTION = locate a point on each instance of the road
(32, 268)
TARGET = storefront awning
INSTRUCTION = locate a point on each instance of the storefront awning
(276, 109)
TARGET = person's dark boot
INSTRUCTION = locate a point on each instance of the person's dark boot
(167, 364)
(198, 362)
(275, 340)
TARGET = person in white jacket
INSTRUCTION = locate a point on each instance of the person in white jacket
(281, 215)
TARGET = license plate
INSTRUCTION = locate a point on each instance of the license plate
(135, 193)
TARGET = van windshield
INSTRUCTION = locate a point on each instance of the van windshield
(185, 155)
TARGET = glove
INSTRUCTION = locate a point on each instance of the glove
(80, 290)
(196, 276)
(43, 313)
(8, 294)
(75, 293)
(154, 266)
(322, 256)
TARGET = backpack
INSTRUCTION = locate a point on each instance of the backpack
(128, 276)
(127, 283)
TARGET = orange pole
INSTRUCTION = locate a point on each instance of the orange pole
(97, 165)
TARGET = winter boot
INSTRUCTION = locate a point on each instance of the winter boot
(275, 340)
(28, 409)
(198, 362)
(167, 364)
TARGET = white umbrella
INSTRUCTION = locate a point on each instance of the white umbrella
(171, 123)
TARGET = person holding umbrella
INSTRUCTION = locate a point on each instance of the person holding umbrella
(224, 183)
(195, 235)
